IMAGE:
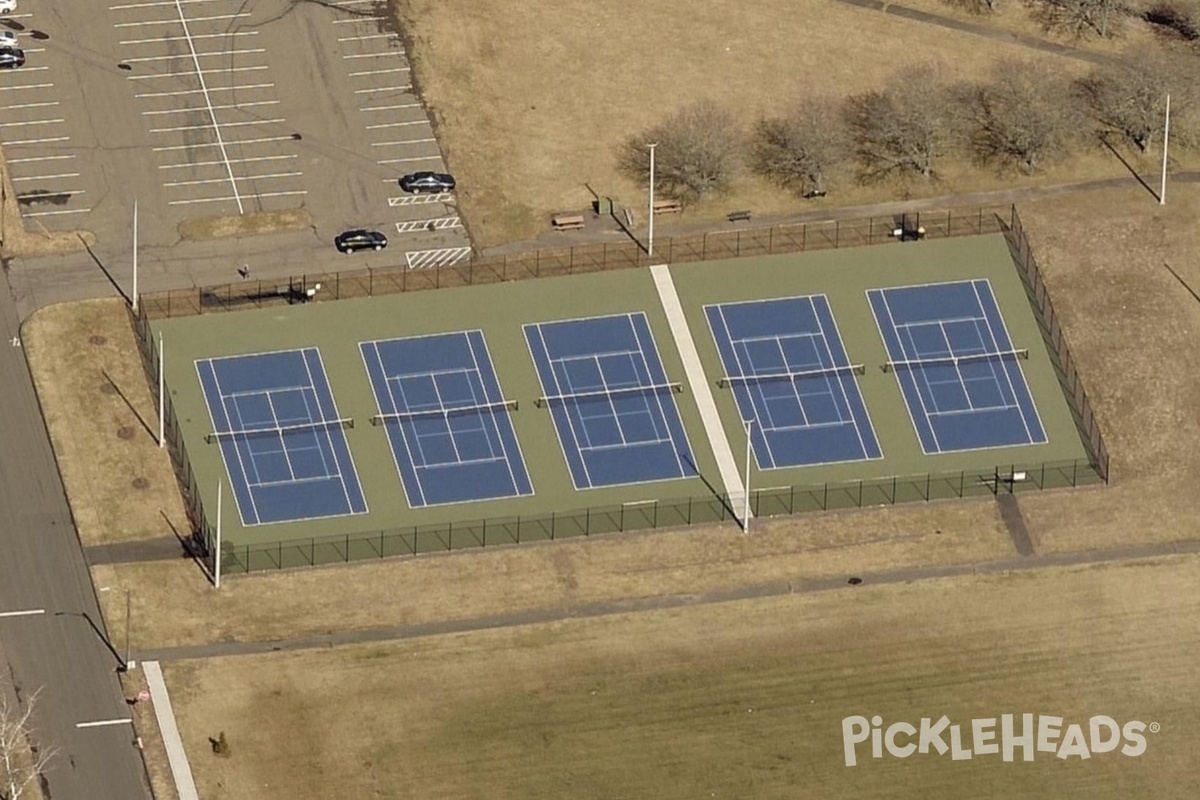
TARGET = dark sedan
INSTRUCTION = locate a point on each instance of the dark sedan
(417, 182)
(353, 241)
(11, 58)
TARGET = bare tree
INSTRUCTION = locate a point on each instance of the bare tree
(697, 153)
(1081, 16)
(904, 128)
(797, 150)
(1024, 113)
(22, 760)
(1130, 99)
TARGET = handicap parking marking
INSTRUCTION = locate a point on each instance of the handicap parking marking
(422, 225)
(441, 257)
(418, 199)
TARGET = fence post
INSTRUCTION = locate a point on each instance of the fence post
(804, 237)
(553, 519)
(928, 478)
(737, 244)
(771, 240)
(704, 248)
(837, 234)
(825, 499)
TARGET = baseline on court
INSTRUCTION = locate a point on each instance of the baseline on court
(791, 376)
(282, 441)
(957, 367)
(446, 418)
(612, 404)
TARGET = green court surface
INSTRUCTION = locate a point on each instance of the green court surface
(500, 311)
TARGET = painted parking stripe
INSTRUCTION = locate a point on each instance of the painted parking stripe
(271, 176)
(397, 124)
(211, 90)
(29, 612)
(418, 199)
(33, 69)
(215, 18)
(407, 141)
(36, 195)
(103, 722)
(214, 144)
(231, 198)
(390, 108)
(47, 177)
(352, 20)
(184, 38)
(55, 213)
(193, 164)
(409, 160)
(178, 128)
(37, 158)
(198, 55)
(193, 72)
(49, 140)
(367, 36)
(442, 257)
(190, 109)
(26, 86)
(158, 3)
(380, 54)
(380, 71)
(407, 88)
(418, 225)
(31, 122)
(29, 105)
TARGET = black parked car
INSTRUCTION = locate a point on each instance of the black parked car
(417, 182)
(351, 241)
(11, 57)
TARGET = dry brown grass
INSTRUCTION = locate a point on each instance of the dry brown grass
(103, 422)
(19, 240)
(531, 99)
(252, 224)
(735, 700)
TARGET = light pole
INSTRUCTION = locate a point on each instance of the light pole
(650, 242)
(746, 506)
(135, 286)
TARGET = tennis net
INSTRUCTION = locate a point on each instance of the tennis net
(445, 413)
(954, 361)
(604, 394)
(280, 430)
(822, 372)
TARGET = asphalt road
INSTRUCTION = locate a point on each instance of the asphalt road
(56, 653)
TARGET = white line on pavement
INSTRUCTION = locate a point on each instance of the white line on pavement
(194, 36)
(408, 160)
(192, 164)
(213, 90)
(384, 89)
(36, 195)
(367, 36)
(378, 72)
(47, 177)
(238, 177)
(38, 158)
(49, 140)
(352, 20)
(214, 144)
(31, 122)
(219, 199)
(159, 3)
(26, 86)
(33, 69)
(56, 213)
(31, 612)
(103, 723)
(29, 105)
(189, 110)
(220, 124)
(198, 72)
(390, 108)
(398, 124)
(176, 22)
(408, 141)
(380, 54)
(201, 55)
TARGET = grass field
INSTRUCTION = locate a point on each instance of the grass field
(530, 99)
(730, 701)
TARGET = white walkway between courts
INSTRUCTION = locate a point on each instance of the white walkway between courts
(180, 769)
(698, 383)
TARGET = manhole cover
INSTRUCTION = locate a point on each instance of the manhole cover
(141, 483)
(97, 339)
(125, 432)
(107, 388)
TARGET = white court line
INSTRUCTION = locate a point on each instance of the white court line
(352, 20)
(27, 613)
(219, 124)
(408, 160)
(390, 108)
(192, 164)
(32, 122)
(38, 141)
(158, 3)
(27, 86)
(181, 38)
(37, 158)
(245, 88)
(197, 71)
(408, 141)
(201, 55)
(367, 36)
(397, 124)
(169, 148)
(103, 722)
(379, 72)
(29, 105)
(56, 213)
(384, 89)
(47, 177)
(238, 177)
(188, 110)
(176, 22)
(219, 199)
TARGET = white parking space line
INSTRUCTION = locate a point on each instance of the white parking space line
(220, 199)
(33, 69)
(407, 141)
(31, 122)
(397, 124)
(195, 36)
(407, 88)
(199, 55)
(409, 160)
(190, 109)
(56, 213)
(214, 144)
(219, 125)
(26, 86)
(176, 22)
(270, 176)
(31, 159)
(193, 164)
(417, 199)
(50, 140)
(418, 225)
(35, 195)
(29, 105)
(103, 722)
(352, 20)
(159, 3)
(367, 36)
(31, 612)
(390, 108)
(198, 72)
(212, 90)
(379, 71)
(380, 54)
(442, 257)
(47, 177)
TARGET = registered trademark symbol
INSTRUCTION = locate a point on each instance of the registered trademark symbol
(1155, 727)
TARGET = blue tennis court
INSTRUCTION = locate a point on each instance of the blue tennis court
(282, 441)
(790, 374)
(957, 367)
(613, 407)
(446, 419)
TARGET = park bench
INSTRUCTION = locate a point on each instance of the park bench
(667, 206)
(738, 216)
(567, 222)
